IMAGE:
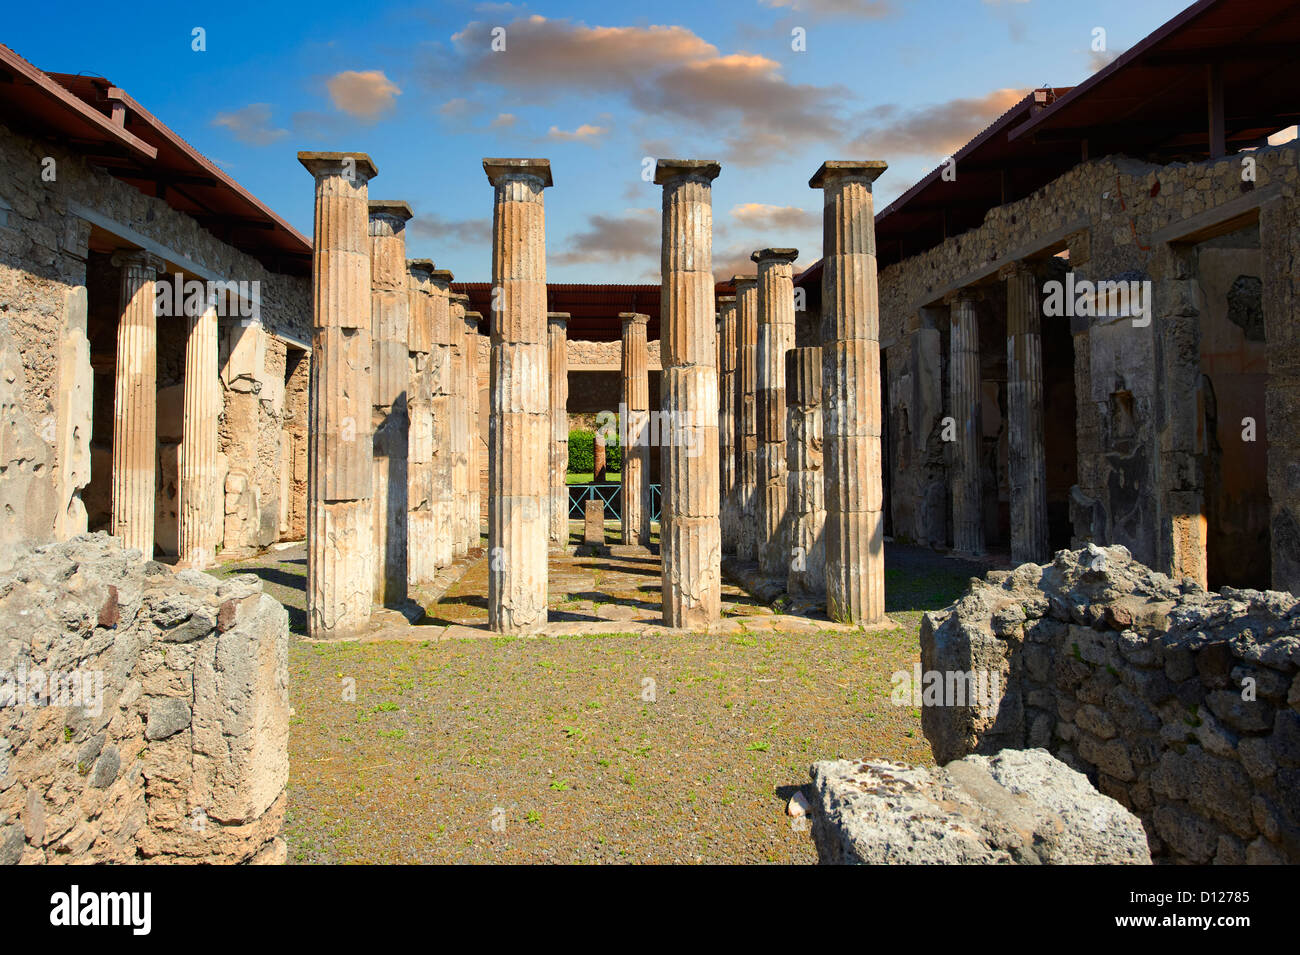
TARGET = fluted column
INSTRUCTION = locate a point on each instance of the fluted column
(390, 333)
(421, 562)
(340, 541)
(558, 369)
(807, 501)
(473, 462)
(1026, 461)
(459, 428)
(200, 514)
(855, 526)
(518, 458)
(727, 522)
(636, 443)
(746, 411)
(690, 537)
(964, 403)
(135, 408)
(442, 408)
(775, 338)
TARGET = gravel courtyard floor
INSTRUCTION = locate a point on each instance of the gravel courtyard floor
(601, 747)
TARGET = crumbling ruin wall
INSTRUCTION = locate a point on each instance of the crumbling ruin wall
(1182, 705)
(45, 373)
(144, 716)
(1134, 475)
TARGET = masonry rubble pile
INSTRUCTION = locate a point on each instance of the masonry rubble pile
(144, 716)
(1182, 705)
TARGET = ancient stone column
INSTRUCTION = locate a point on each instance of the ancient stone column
(201, 497)
(558, 369)
(340, 538)
(690, 537)
(746, 412)
(964, 405)
(518, 459)
(1026, 461)
(636, 439)
(855, 526)
(421, 559)
(391, 370)
(807, 501)
(135, 408)
(727, 520)
(442, 408)
(775, 338)
(459, 443)
(473, 462)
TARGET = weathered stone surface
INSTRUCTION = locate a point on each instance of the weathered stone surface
(1020, 807)
(964, 383)
(135, 404)
(143, 745)
(806, 497)
(390, 374)
(855, 567)
(1026, 460)
(1142, 683)
(593, 527)
(775, 338)
(340, 523)
(558, 370)
(746, 417)
(691, 545)
(636, 447)
(727, 515)
(519, 479)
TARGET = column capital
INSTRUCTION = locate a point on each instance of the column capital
(139, 258)
(868, 170)
(421, 268)
(774, 255)
(702, 170)
(745, 280)
(394, 209)
(348, 165)
(501, 170)
(559, 319)
(473, 319)
(1018, 267)
(725, 300)
(461, 299)
(967, 293)
(441, 278)
(633, 318)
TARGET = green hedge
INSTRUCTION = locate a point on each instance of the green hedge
(582, 453)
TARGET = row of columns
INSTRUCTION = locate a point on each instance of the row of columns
(776, 510)
(1026, 457)
(392, 406)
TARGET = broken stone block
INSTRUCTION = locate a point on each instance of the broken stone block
(1020, 807)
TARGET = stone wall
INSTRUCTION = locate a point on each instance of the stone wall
(1137, 389)
(47, 399)
(1182, 705)
(144, 716)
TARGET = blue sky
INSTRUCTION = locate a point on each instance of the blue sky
(594, 87)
